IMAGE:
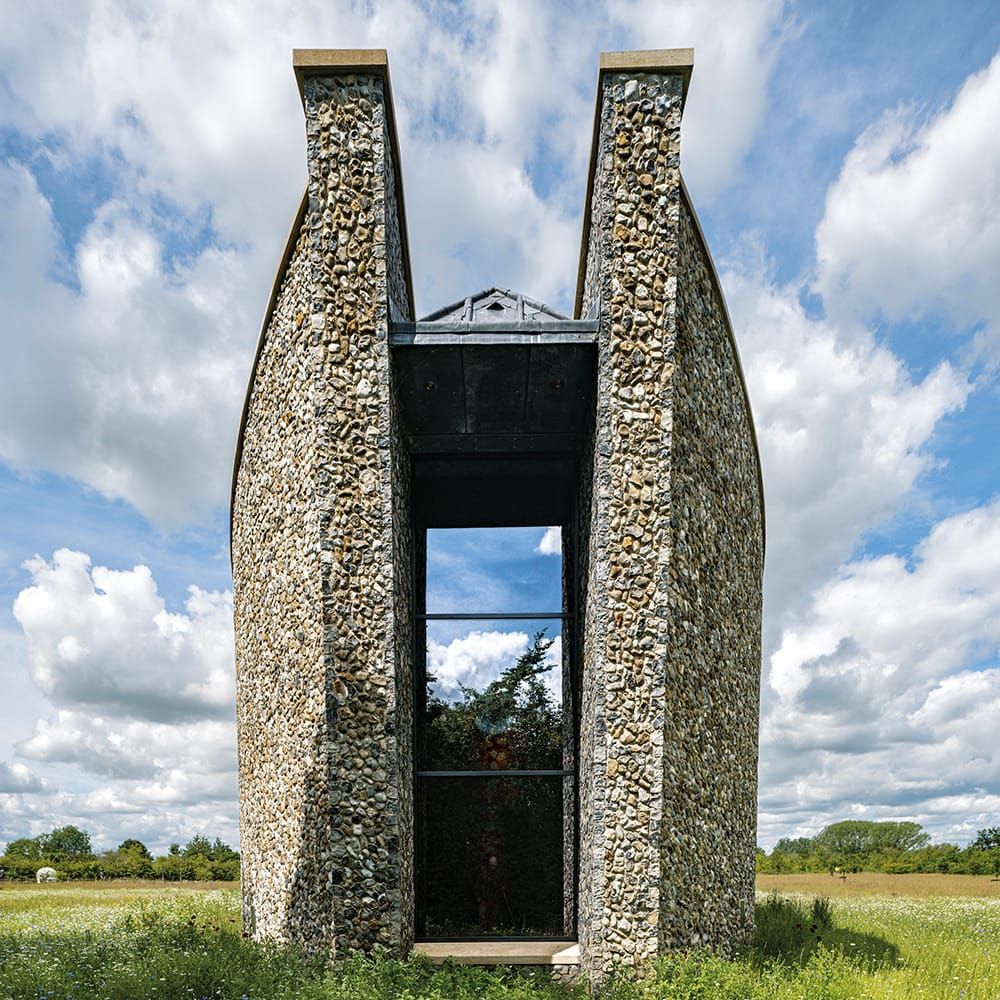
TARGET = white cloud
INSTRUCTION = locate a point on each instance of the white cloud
(110, 813)
(550, 544)
(131, 383)
(118, 748)
(17, 779)
(102, 640)
(888, 690)
(472, 660)
(143, 742)
(844, 431)
(910, 226)
(477, 658)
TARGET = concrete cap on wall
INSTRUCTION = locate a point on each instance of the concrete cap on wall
(338, 62)
(669, 61)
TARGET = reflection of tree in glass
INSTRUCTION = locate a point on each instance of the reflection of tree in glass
(494, 854)
(511, 723)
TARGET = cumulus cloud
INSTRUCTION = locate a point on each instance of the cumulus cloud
(143, 738)
(477, 658)
(132, 381)
(112, 812)
(910, 226)
(845, 431)
(888, 689)
(102, 640)
(17, 779)
(473, 660)
(116, 748)
(550, 544)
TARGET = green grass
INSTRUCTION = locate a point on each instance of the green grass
(130, 943)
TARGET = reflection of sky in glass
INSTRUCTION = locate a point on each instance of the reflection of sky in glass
(471, 570)
(493, 569)
(475, 653)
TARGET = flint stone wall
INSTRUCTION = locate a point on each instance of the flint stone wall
(671, 562)
(320, 525)
(667, 561)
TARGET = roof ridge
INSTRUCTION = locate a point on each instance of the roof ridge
(496, 300)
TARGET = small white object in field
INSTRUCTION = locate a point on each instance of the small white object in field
(45, 875)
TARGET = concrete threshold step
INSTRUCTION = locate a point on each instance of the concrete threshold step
(501, 952)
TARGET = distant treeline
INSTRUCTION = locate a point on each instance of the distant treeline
(68, 850)
(901, 848)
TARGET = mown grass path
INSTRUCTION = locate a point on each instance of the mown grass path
(129, 941)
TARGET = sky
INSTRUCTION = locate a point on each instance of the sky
(845, 162)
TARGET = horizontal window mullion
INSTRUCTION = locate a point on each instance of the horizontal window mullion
(497, 774)
(485, 615)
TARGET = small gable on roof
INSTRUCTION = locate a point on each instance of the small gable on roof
(495, 305)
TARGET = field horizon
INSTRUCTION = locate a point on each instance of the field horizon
(910, 885)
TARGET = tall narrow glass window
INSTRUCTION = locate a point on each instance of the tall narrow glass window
(495, 738)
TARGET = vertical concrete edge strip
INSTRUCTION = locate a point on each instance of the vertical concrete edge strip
(734, 344)
(279, 277)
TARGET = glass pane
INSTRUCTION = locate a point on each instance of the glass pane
(494, 569)
(493, 697)
(492, 856)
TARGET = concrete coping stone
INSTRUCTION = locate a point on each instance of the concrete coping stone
(501, 952)
(334, 62)
(673, 61)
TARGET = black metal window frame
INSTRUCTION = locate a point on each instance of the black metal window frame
(419, 583)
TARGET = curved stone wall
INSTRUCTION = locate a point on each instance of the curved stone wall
(320, 525)
(713, 637)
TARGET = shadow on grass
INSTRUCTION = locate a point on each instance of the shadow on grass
(791, 930)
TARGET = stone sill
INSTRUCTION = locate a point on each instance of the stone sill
(501, 952)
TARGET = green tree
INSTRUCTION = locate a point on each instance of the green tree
(985, 840)
(221, 851)
(133, 846)
(27, 848)
(512, 723)
(198, 846)
(856, 837)
(131, 859)
(795, 845)
(66, 842)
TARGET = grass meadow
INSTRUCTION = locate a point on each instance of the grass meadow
(914, 936)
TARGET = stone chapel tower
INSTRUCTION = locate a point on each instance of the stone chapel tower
(628, 424)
